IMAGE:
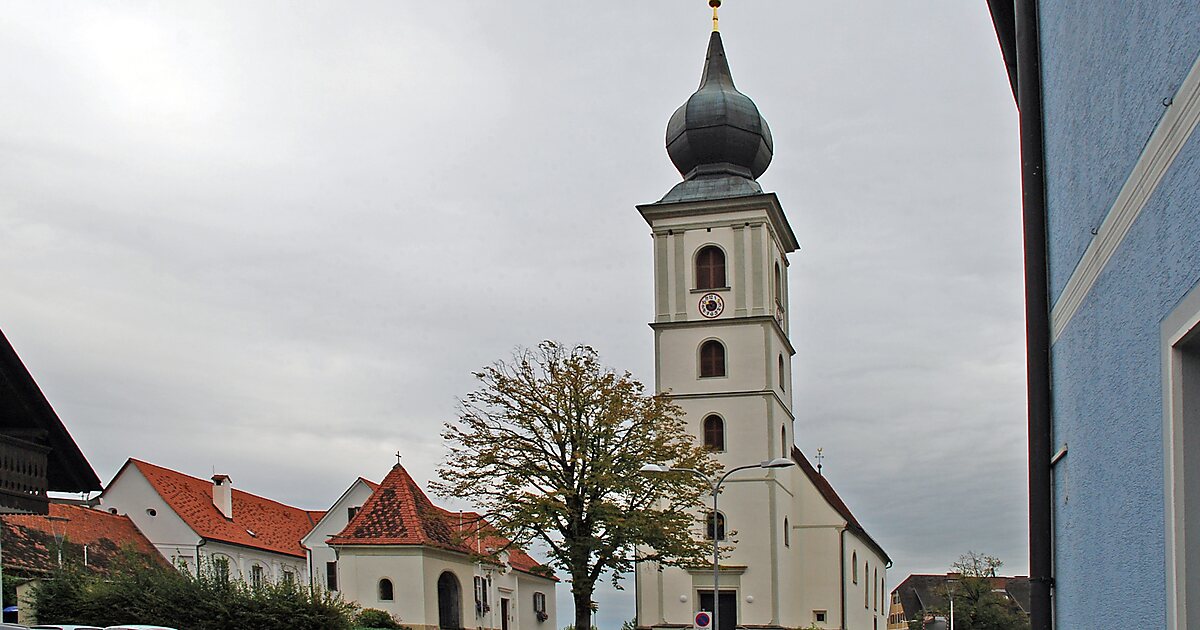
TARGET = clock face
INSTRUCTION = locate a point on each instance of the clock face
(711, 305)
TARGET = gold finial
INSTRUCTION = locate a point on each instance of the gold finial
(715, 4)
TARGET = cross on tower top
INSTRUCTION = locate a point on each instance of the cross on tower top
(820, 459)
(398, 458)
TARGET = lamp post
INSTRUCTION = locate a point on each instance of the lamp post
(715, 485)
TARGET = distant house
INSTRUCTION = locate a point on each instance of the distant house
(197, 524)
(920, 594)
(432, 568)
(322, 559)
(69, 536)
(37, 454)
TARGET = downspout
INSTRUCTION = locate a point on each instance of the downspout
(1037, 313)
(842, 556)
(203, 541)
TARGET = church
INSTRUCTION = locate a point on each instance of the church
(794, 556)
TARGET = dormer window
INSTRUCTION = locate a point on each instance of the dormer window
(710, 268)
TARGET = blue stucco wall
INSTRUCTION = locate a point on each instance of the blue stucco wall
(1107, 65)
(1107, 392)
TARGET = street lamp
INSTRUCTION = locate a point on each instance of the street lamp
(778, 462)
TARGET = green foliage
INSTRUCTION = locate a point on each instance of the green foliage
(376, 619)
(977, 605)
(550, 446)
(572, 627)
(162, 596)
(630, 624)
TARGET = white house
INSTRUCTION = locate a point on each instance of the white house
(428, 567)
(199, 524)
(723, 350)
(322, 559)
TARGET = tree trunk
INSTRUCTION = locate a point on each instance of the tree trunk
(583, 605)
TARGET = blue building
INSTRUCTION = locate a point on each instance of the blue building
(1109, 98)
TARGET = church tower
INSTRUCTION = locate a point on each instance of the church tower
(724, 352)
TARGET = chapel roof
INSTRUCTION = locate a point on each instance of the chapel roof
(398, 512)
(31, 542)
(831, 497)
(257, 522)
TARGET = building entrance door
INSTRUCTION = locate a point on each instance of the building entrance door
(503, 613)
(727, 615)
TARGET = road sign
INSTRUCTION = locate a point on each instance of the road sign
(703, 620)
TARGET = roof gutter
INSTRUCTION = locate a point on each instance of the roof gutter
(1037, 311)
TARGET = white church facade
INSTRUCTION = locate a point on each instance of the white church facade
(797, 557)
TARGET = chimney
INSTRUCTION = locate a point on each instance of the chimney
(223, 495)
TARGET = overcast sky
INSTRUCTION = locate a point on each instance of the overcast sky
(273, 239)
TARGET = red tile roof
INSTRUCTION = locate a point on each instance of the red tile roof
(831, 496)
(276, 527)
(399, 513)
(31, 542)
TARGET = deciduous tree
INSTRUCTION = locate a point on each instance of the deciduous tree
(550, 445)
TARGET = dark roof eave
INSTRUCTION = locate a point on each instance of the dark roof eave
(1004, 19)
(69, 470)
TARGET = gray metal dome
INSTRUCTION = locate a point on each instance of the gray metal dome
(718, 135)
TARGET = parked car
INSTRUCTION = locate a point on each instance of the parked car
(62, 627)
(134, 627)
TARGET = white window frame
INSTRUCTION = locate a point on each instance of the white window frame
(1181, 327)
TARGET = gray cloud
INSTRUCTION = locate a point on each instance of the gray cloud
(274, 239)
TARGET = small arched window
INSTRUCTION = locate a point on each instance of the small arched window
(714, 433)
(710, 268)
(783, 442)
(712, 359)
(716, 519)
(875, 585)
(782, 375)
(386, 592)
(787, 533)
(854, 567)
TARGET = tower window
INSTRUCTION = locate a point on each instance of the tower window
(854, 567)
(712, 359)
(714, 520)
(787, 533)
(710, 268)
(783, 442)
(778, 286)
(714, 433)
(782, 375)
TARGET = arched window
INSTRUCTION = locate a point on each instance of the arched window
(717, 519)
(783, 442)
(449, 596)
(778, 286)
(854, 567)
(714, 433)
(866, 585)
(875, 585)
(386, 593)
(712, 359)
(787, 533)
(710, 268)
(782, 375)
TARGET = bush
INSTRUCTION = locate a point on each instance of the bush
(375, 618)
(162, 596)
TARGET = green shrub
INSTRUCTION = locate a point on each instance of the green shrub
(376, 619)
(162, 596)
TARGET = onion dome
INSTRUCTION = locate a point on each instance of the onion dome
(718, 140)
